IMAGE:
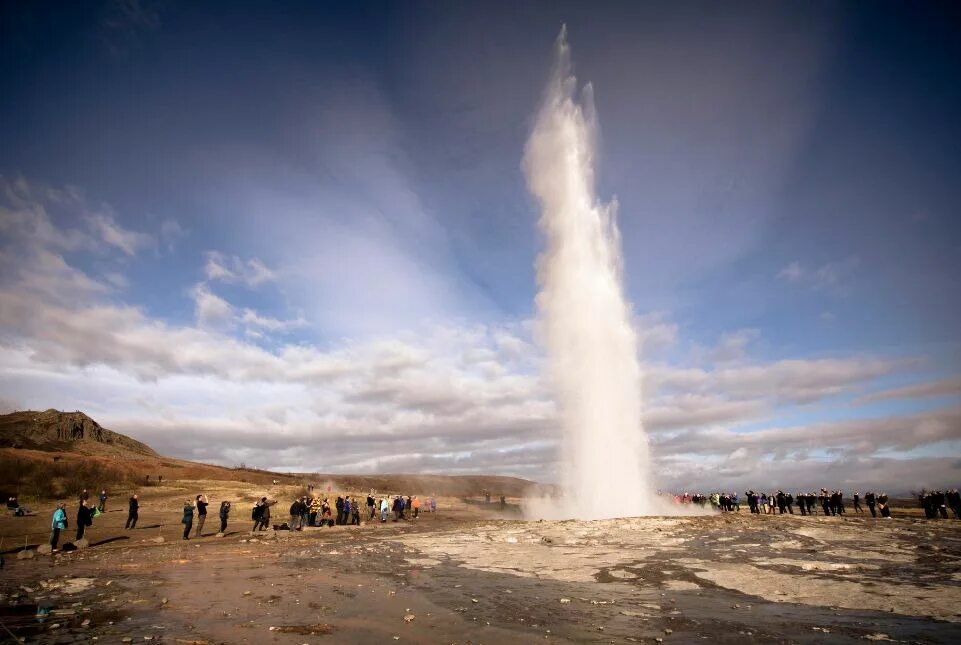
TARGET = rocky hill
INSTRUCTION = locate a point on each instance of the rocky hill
(55, 431)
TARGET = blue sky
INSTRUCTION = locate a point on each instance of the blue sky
(272, 228)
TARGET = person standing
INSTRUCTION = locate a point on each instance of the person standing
(295, 515)
(201, 503)
(224, 514)
(370, 508)
(857, 502)
(102, 507)
(883, 506)
(433, 505)
(258, 513)
(188, 519)
(384, 509)
(954, 501)
(325, 515)
(416, 504)
(84, 520)
(58, 524)
(304, 511)
(314, 510)
(132, 512)
(265, 514)
(870, 500)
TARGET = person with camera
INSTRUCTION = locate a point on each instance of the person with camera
(201, 503)
(224, 513)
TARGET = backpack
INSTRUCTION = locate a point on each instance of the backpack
(257, 513)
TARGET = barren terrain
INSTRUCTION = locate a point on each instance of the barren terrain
(474, 574)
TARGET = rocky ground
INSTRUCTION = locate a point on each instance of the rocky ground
(464, 576)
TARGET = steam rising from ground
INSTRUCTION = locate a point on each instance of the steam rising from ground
(584, 319)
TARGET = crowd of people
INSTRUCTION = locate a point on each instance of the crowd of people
(317, 511)
(304, 511)
(937, 502)
(824, 502)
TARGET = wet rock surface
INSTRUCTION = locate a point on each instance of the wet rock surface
(714, 579)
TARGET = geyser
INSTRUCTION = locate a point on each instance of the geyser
(584, 320)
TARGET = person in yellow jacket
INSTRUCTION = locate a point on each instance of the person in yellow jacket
(314, 509)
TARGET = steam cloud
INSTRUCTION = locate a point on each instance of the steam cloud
(584, 320)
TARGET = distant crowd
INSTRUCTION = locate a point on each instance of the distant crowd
(935, 503)
(308, 510)
(317, 511)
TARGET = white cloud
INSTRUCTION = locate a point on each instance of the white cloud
(733, 345)
(110, 232)
(833, 276)
(171, 232)
(252, 272)
(793, 272)
(451, 398)
(211, 310)
(941, 387)
(252, 319)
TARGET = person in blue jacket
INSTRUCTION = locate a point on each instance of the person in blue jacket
(188, 519)
(58, 524)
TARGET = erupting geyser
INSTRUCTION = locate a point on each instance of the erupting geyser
(584, 319)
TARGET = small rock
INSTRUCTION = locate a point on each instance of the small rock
(163, 601)
(474, 600)
(126, 639)
(81, 544)
(668, 631)
(85, 623)
(564, 601)
(246, 593)
(409, 618)
(26, 554)
(44, 549)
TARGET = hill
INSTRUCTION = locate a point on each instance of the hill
(55, 431)
(52, 453)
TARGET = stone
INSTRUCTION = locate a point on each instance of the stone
(219, 535)
(26, 554)
(44, 549)
(157, 540)
(409, 618)
(81, 544)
